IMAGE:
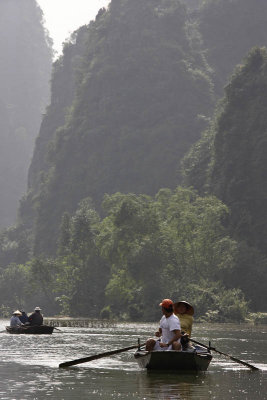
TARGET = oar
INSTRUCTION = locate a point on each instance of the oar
(96, 356)
(58, 329)
(226, 355)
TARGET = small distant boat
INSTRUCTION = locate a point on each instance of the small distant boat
(31, 330)
(187, 361)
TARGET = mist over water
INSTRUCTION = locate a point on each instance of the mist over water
(29, 365)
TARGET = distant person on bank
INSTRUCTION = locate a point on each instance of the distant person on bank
(36, 317)
(15, 322)
(169, 330)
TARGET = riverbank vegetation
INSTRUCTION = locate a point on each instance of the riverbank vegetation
(173, 245)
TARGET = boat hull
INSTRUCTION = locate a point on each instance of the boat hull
(31, 330)
(173, 360)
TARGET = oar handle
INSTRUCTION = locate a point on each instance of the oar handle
(201, 344)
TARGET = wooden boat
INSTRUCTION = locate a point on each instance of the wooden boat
(187, 361)
(31, 330)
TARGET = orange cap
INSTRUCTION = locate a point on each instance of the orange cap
(166, 303)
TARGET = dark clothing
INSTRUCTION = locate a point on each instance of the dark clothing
(24, 318)
(36, 318)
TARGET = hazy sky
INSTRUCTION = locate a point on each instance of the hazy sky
(65, 16)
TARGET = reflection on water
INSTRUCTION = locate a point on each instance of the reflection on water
(29, 366)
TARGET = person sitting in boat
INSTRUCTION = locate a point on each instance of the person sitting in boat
(184, 311)
(169, 330)
(23, 317)
(15, 322)
(36, 317)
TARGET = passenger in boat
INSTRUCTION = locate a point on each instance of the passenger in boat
(36, 317)
(184, 311)
(169, 330)
(15, 322)
(23, 317)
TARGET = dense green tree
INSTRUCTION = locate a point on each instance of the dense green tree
(165, 248)
(130, 240)
(83, 274)
(74, 282)
(145, 249)
(214, 303)
(42, 279)
(15, 246)
(13, 287)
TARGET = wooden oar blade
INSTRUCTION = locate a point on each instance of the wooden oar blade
(96, 356)
(244, 363)
(227, 355)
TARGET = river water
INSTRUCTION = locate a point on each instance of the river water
(29, 365)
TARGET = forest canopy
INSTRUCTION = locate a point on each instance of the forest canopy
(145, 249)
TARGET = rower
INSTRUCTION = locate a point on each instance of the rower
(169, 330)
(36, 317)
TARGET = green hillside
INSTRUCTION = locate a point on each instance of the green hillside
(240, 166)
(25, 68)
(140, 89)
(230, 162)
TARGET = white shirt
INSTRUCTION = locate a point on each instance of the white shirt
(15, 321)
(168, 325)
